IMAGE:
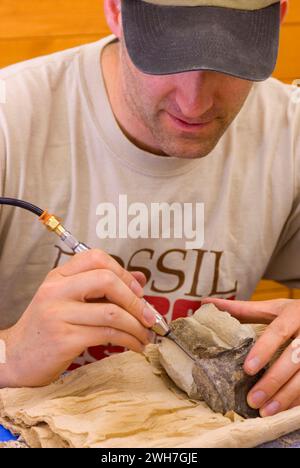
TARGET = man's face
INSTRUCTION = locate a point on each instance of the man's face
(182, 115)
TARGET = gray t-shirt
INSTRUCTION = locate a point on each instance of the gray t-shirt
(62, 149)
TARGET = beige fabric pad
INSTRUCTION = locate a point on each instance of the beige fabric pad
(128, 401)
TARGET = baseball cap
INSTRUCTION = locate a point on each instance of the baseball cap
(235, 37)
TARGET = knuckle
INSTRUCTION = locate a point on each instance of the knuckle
(279, 305)
(109, 334)
(111, 315)
(47, 291)
(60, 341)
(107, 278)
(98, 258)
(51, 320)
(134, 304)
(55, 332)
(281, 329)
(51, 313)
(52, 274)
(272, 383)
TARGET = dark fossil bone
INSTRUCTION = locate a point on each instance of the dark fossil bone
(221, 381)
(220, 345)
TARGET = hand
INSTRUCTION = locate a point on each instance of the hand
(279, 388)
(65, 317)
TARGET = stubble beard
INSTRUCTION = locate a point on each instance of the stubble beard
(168, 143)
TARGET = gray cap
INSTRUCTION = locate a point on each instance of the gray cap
(236, 37)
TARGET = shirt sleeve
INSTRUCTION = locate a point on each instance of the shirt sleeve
(284, 265)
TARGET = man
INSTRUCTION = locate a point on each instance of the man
(174, 108)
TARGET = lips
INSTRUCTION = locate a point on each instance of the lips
(188, 124)
(189, 121)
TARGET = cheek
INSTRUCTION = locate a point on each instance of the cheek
(235, 92)
(241, 88)
(155, 87)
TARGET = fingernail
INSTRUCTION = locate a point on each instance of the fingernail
(149, 317)
(271, 408)
(151, 336)
(257, 399)
(137, 288)
(253, 365)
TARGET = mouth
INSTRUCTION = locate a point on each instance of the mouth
(187, 126)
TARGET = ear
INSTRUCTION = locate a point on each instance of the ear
(284, 9)
(112, 9)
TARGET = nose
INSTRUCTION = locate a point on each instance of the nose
(194, 93)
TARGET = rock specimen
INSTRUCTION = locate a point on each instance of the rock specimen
(220, 345)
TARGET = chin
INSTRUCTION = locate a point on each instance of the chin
(188, 146)
(189, 151)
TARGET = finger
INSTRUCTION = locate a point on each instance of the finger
(249, 311)
(98, 284)
(276, 377)
(283, 400)
(105, 315)
(276, 334)
(81, 337)
(98, 259)
(140, 277)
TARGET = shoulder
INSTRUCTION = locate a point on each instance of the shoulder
(32, 87)
(274, 96)
(35, 77)
(272, 86)
(46, 69)
(29, 89)
(36, 94)
(272, 109)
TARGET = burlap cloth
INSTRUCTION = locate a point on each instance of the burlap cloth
(128, 401)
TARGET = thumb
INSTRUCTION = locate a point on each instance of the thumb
(249, 311)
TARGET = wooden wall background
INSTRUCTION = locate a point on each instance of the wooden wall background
(30, 28)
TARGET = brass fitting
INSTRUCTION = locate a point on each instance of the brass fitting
(52, 223)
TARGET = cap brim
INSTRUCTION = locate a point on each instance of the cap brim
(165, 39)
